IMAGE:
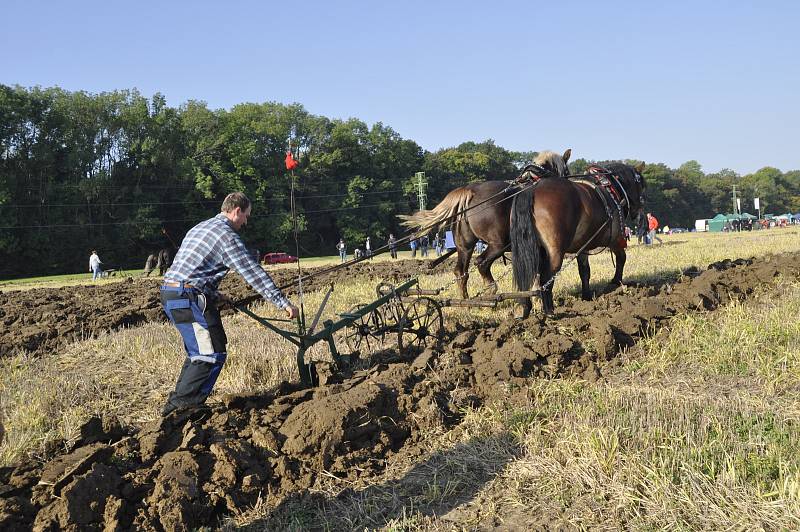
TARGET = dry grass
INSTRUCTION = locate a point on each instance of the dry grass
(699, 432)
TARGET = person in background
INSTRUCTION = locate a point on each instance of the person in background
(392, 246)
(189, 295)
(424, 245)
(413, 245)
(342, 248)
(641, 227)
(368, 248)
(95, 265)
(652, 225)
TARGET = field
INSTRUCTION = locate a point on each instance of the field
(668, 404)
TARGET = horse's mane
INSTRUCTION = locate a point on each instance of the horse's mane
(552, 158)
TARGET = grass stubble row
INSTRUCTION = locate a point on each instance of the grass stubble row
(699, 429)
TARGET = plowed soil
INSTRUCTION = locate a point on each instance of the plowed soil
(193, 467)
(41, 320)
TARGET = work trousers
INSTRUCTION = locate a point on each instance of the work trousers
(197, 318)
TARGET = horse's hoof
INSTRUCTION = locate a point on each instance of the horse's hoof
(522, 312)
(587, 296)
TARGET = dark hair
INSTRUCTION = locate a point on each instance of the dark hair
(235, 199)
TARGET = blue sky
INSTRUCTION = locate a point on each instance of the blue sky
(717, 82)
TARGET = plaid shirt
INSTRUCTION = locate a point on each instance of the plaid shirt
(209, 250)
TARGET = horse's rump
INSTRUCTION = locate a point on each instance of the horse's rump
(448, 209)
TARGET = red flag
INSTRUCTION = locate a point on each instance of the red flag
(291, 164)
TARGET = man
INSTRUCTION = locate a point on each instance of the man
(652, 225)
(342, 247)
(95, 266)
(392, 246)
(641, 227)
(189, 296)
(368, 248)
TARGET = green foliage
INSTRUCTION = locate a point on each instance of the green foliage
(127, 175)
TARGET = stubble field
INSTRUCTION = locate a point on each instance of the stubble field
(670, 403)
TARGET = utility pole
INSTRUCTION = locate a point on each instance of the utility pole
(422, 185)
(735, 203)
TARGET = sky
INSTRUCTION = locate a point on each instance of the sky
(712, 81)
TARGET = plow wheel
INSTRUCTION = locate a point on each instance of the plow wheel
(392, 311)
(365, 332)
(421, 326)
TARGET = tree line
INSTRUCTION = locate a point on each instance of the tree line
(127, 175)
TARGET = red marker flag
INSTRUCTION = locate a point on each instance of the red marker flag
(291, 164)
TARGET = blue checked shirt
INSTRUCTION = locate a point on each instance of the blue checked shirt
(209, 250)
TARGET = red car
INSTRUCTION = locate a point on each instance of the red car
(278, 258)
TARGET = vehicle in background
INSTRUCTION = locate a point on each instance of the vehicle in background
(278, 258)
(701, 225)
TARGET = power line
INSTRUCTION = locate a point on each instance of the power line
(135, 223)
(192, 202)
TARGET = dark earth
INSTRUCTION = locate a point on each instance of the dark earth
(195, 467)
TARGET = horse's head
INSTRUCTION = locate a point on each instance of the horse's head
(637, 188)
(554, 164)
(631, 180)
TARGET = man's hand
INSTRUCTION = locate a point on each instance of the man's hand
(292, 311)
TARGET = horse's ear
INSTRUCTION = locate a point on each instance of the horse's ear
(567, 155)
(639, 167)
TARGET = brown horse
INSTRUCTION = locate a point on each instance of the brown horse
(560, 216)
(488, 220)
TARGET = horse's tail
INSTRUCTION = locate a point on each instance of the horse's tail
(453, 204)
(524, 241)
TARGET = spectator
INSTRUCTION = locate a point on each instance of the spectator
(392, 246)
(437, 244)
(342, 248)
(641, 227)
(652, 224)
(424, 245)
(627, 234)
(413, 245)
(368, 248)
(95, 265)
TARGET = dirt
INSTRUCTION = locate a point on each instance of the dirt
(41, 320)
(194, 467)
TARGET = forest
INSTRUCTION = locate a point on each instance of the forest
(127, 175)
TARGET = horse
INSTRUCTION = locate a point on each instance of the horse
(164, 260)
(489, 220)
(559, 216)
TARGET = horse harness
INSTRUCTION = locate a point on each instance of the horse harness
(613, 196)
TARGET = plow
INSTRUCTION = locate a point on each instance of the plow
(410, 315)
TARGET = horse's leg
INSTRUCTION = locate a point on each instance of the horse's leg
(585, 272)
(621, 256)
(462, 269)
(484, 263)
(465, 244)
(551, 264)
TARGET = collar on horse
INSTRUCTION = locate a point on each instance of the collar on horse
(613, 196)
(609, 181)
(532, 173)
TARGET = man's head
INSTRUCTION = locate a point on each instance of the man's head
(236, 209)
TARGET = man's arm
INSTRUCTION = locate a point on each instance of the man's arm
(236, 257)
